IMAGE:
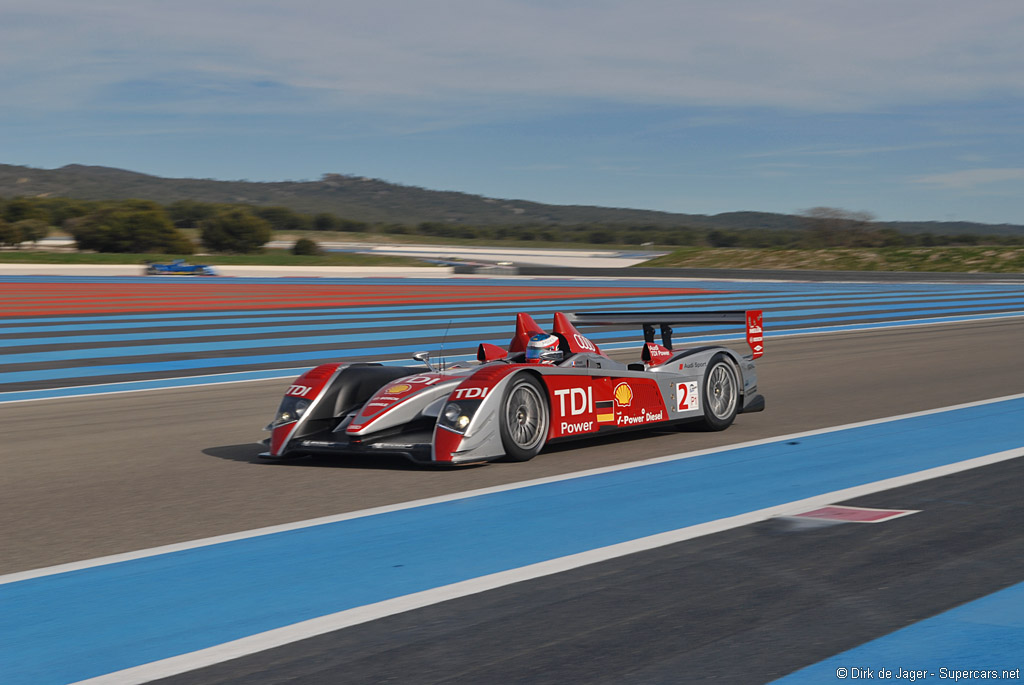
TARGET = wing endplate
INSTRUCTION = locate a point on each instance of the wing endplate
(564, 329)
(752, 319)
(526, 327)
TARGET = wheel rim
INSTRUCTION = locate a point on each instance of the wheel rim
(721, 391)
(525, 416)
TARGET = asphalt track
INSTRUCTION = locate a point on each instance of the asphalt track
(742, 606)
(93, 476)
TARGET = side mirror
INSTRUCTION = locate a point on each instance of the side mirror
(489, 353)
(423, 357)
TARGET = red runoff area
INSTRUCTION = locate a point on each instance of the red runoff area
(49, 299)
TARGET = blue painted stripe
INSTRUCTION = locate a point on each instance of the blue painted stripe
(165, 383)
(228, 345)
(281, 358)
(789, 306)
(986, 634)
(84, 623)
(612, 340)
(157, 384)
(772, 318)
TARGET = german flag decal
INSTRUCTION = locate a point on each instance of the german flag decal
(605, 411)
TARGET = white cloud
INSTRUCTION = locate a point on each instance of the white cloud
(458, 53)
(858, 151)
(971, 179)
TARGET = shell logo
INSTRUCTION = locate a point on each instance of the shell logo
(623, 394)
(401, 387)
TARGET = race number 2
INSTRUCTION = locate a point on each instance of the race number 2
(688, 396)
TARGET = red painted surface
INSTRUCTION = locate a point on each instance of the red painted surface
(445, 443)
(50, 299)
(573, 338)
(390, 396)
(582, 404)
(655, 354)
(309, 385)
(837, 512)
(525, 328)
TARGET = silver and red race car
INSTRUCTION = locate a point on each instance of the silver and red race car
(545, 388)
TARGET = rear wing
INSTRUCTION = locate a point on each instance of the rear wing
(665, 320)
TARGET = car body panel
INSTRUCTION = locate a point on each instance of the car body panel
(454, 415)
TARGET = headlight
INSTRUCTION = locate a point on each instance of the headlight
(456, 416)
(291, 409)
(452, 412)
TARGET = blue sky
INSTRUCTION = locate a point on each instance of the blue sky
(908, 109)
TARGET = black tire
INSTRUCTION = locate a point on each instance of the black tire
(721, 394)
(524, 418)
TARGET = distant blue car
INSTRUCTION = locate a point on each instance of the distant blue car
(179, 267)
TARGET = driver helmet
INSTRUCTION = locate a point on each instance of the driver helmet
(543, 347)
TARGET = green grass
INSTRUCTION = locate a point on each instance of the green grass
(984, 259)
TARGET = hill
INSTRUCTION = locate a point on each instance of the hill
(376, 201)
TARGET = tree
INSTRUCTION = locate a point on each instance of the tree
(325, 221)
(718, 238)
(235, 230)
(62, 209)
(130, 226)
(831, 226)
(351, 226)
(32, 229)
(19, 208)
(189, 213)
(284, 219)
(10, 234)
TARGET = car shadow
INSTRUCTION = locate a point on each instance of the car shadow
(626, 436)
(249, 453)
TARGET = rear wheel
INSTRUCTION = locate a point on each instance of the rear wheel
(524, 418)
(721, 393)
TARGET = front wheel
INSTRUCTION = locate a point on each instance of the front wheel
(721, 393)
(524, 418)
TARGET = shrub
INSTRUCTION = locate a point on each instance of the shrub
(305, 246)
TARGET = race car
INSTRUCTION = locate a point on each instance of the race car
(545, 388)
(179, 267)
